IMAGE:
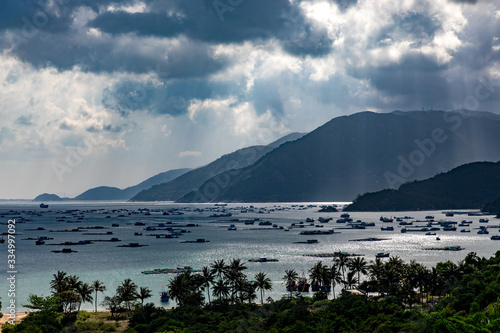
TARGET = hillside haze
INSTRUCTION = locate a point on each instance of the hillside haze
(363, 152)
(472, 185)
(193, 179)
(114, 193)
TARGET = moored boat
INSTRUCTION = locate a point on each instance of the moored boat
(263, 260)
(164, 296)
(382, 255)
(303, 286)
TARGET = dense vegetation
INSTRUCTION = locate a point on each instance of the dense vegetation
(407, 297)
(468, 186)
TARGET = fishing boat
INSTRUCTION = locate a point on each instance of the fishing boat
(171, 270)
(303, 286)
(42, 205)
(495, 237)
(263, 260)
(387, 228)
(66, 250)
(232, 227)
(132, 245)
(164, 296)
(199, 240)
(382, 255)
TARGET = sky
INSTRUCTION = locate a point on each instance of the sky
(113, 92)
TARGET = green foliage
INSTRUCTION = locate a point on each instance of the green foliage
(450, 297)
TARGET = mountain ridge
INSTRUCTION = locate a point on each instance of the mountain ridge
(360, 153)
(471, 185)
(193, 179)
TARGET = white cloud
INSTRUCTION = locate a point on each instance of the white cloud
(189, 153)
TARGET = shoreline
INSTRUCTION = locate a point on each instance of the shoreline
(21, 315)
(6, 317)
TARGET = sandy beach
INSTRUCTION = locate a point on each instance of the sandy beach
(5, 318)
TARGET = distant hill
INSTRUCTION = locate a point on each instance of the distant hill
(49, 197)
(468, 186)
(184, 184)
(114, 193)
(360, 153)
(493, 207)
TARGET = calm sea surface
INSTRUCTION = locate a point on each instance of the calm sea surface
(111, 264)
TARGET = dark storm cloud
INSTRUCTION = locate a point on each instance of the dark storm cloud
(65, 51)
(417, 78)
(40, 32)
(167, 98)
(49, 15)
(417, 27)
(201, 20)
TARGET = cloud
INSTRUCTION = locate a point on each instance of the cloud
(160, 97)
(189, 153)
(176, 76)
(24, 120)
(200, 20)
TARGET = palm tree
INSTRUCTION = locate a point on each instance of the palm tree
(59, 282)
(290, 279)
(390, 279)
(351, 280)
(237, 265)
(127, 292)
(218, 267)
(207, 277)
(359, 266)
(180, 287)
(73, 282)
(335, 277)
(317, 273)
(144, 292)
(262, 283)
(97, 286)
(84, 290)
(397, 263)
(341, 260)
(234, 277)
(220, 289)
